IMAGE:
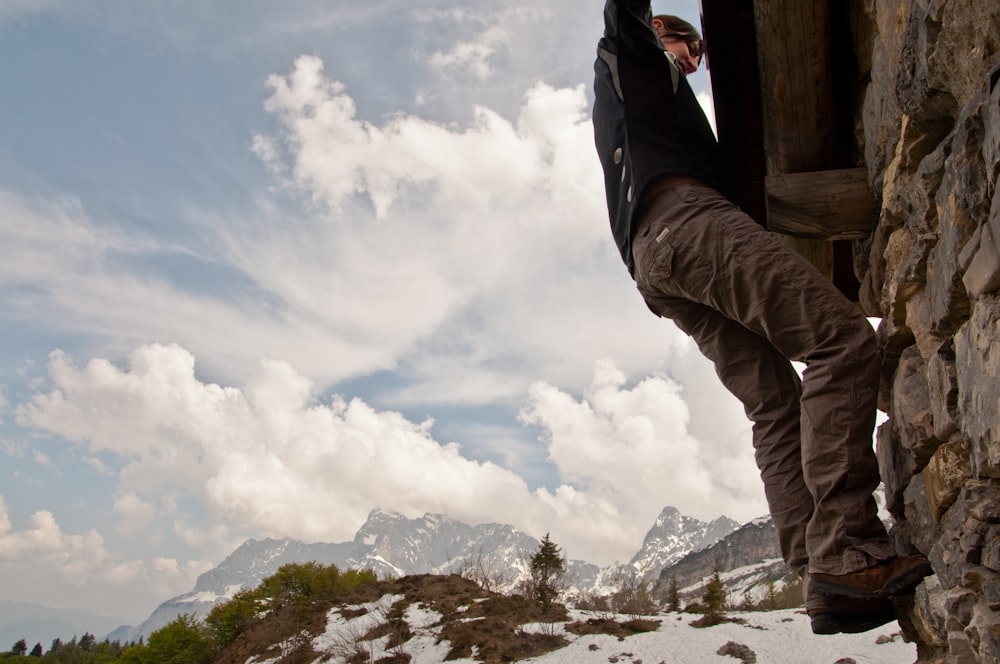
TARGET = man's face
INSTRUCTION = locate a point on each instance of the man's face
(689, 63)
(676, 45)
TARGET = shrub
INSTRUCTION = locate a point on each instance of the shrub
(232, 618)
(183, 641)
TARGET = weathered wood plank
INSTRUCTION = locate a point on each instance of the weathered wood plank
(796, 77)
(821, 205)
(793, 49)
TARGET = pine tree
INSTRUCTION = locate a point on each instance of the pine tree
(673, 596)
(87, 642)
(37, 650)
(20, 647)
(547, 569)
(714, 599)
(771, 598)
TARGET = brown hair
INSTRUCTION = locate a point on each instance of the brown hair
(678, 28)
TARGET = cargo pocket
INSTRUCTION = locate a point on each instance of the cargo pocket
(658, 267)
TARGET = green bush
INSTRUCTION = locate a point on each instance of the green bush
(185, 640)
(232, 618)
(294, 584)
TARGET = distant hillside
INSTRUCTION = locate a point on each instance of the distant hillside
(40, 624)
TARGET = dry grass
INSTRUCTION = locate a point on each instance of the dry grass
(475, 622)
(612, 627)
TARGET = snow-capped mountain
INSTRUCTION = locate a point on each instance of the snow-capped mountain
(672, 537)
(495, 555)
(749, 557)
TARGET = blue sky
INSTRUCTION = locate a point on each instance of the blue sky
(268, 266)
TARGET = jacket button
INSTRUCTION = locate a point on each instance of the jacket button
(618, 156)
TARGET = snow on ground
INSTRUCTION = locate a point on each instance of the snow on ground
(776, 637)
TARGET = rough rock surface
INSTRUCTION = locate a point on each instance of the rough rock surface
(931, 271)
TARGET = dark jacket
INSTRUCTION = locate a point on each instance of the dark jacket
(647, 120)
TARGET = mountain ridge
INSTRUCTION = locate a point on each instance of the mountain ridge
(392, 545)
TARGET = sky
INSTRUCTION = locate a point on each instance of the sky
(266, 267)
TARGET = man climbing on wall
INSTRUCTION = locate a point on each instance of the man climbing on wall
(753, 306)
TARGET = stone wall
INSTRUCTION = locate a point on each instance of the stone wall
(930, 130)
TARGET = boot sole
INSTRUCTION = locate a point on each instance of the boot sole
(839, 623)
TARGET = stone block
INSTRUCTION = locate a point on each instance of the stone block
(922, 615)
(892, 341)
(976, 577)
(901, 281)
(977, 366)
(991, 549)
(881, 108)
(991, 128)
(968, 35)
(908, 198)
(991, 593)
(959, 605)
(946, 558)
(896, 467)
(982, 272)
(921, 524)
(919, 93)
(963, 531)
(918, 319)
(945, 475)
(960, 651)
(942, 384)
(911, 408)
(962, 203)
(982, 631)
(989, 651)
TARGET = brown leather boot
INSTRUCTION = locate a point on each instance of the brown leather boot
(832, 614)
(896, 576)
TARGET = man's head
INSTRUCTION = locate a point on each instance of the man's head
(682, 39)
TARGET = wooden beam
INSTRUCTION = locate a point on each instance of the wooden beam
(728, 27)
(796, 75)
(793, 46)
(774, 76)
(821, 205)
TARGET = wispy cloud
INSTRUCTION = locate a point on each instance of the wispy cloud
(54, 566)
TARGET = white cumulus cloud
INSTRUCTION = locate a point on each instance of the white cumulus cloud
(270, 459)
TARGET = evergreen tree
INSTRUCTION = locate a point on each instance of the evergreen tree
(771, 598)
(714, 599)
(547, 569)
(20, 648)
(57, 645)
(87, 642)
(37, 650)
(673, 595)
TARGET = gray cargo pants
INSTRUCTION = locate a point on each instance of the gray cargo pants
(752, 304)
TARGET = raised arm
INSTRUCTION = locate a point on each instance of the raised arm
(628, 27)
